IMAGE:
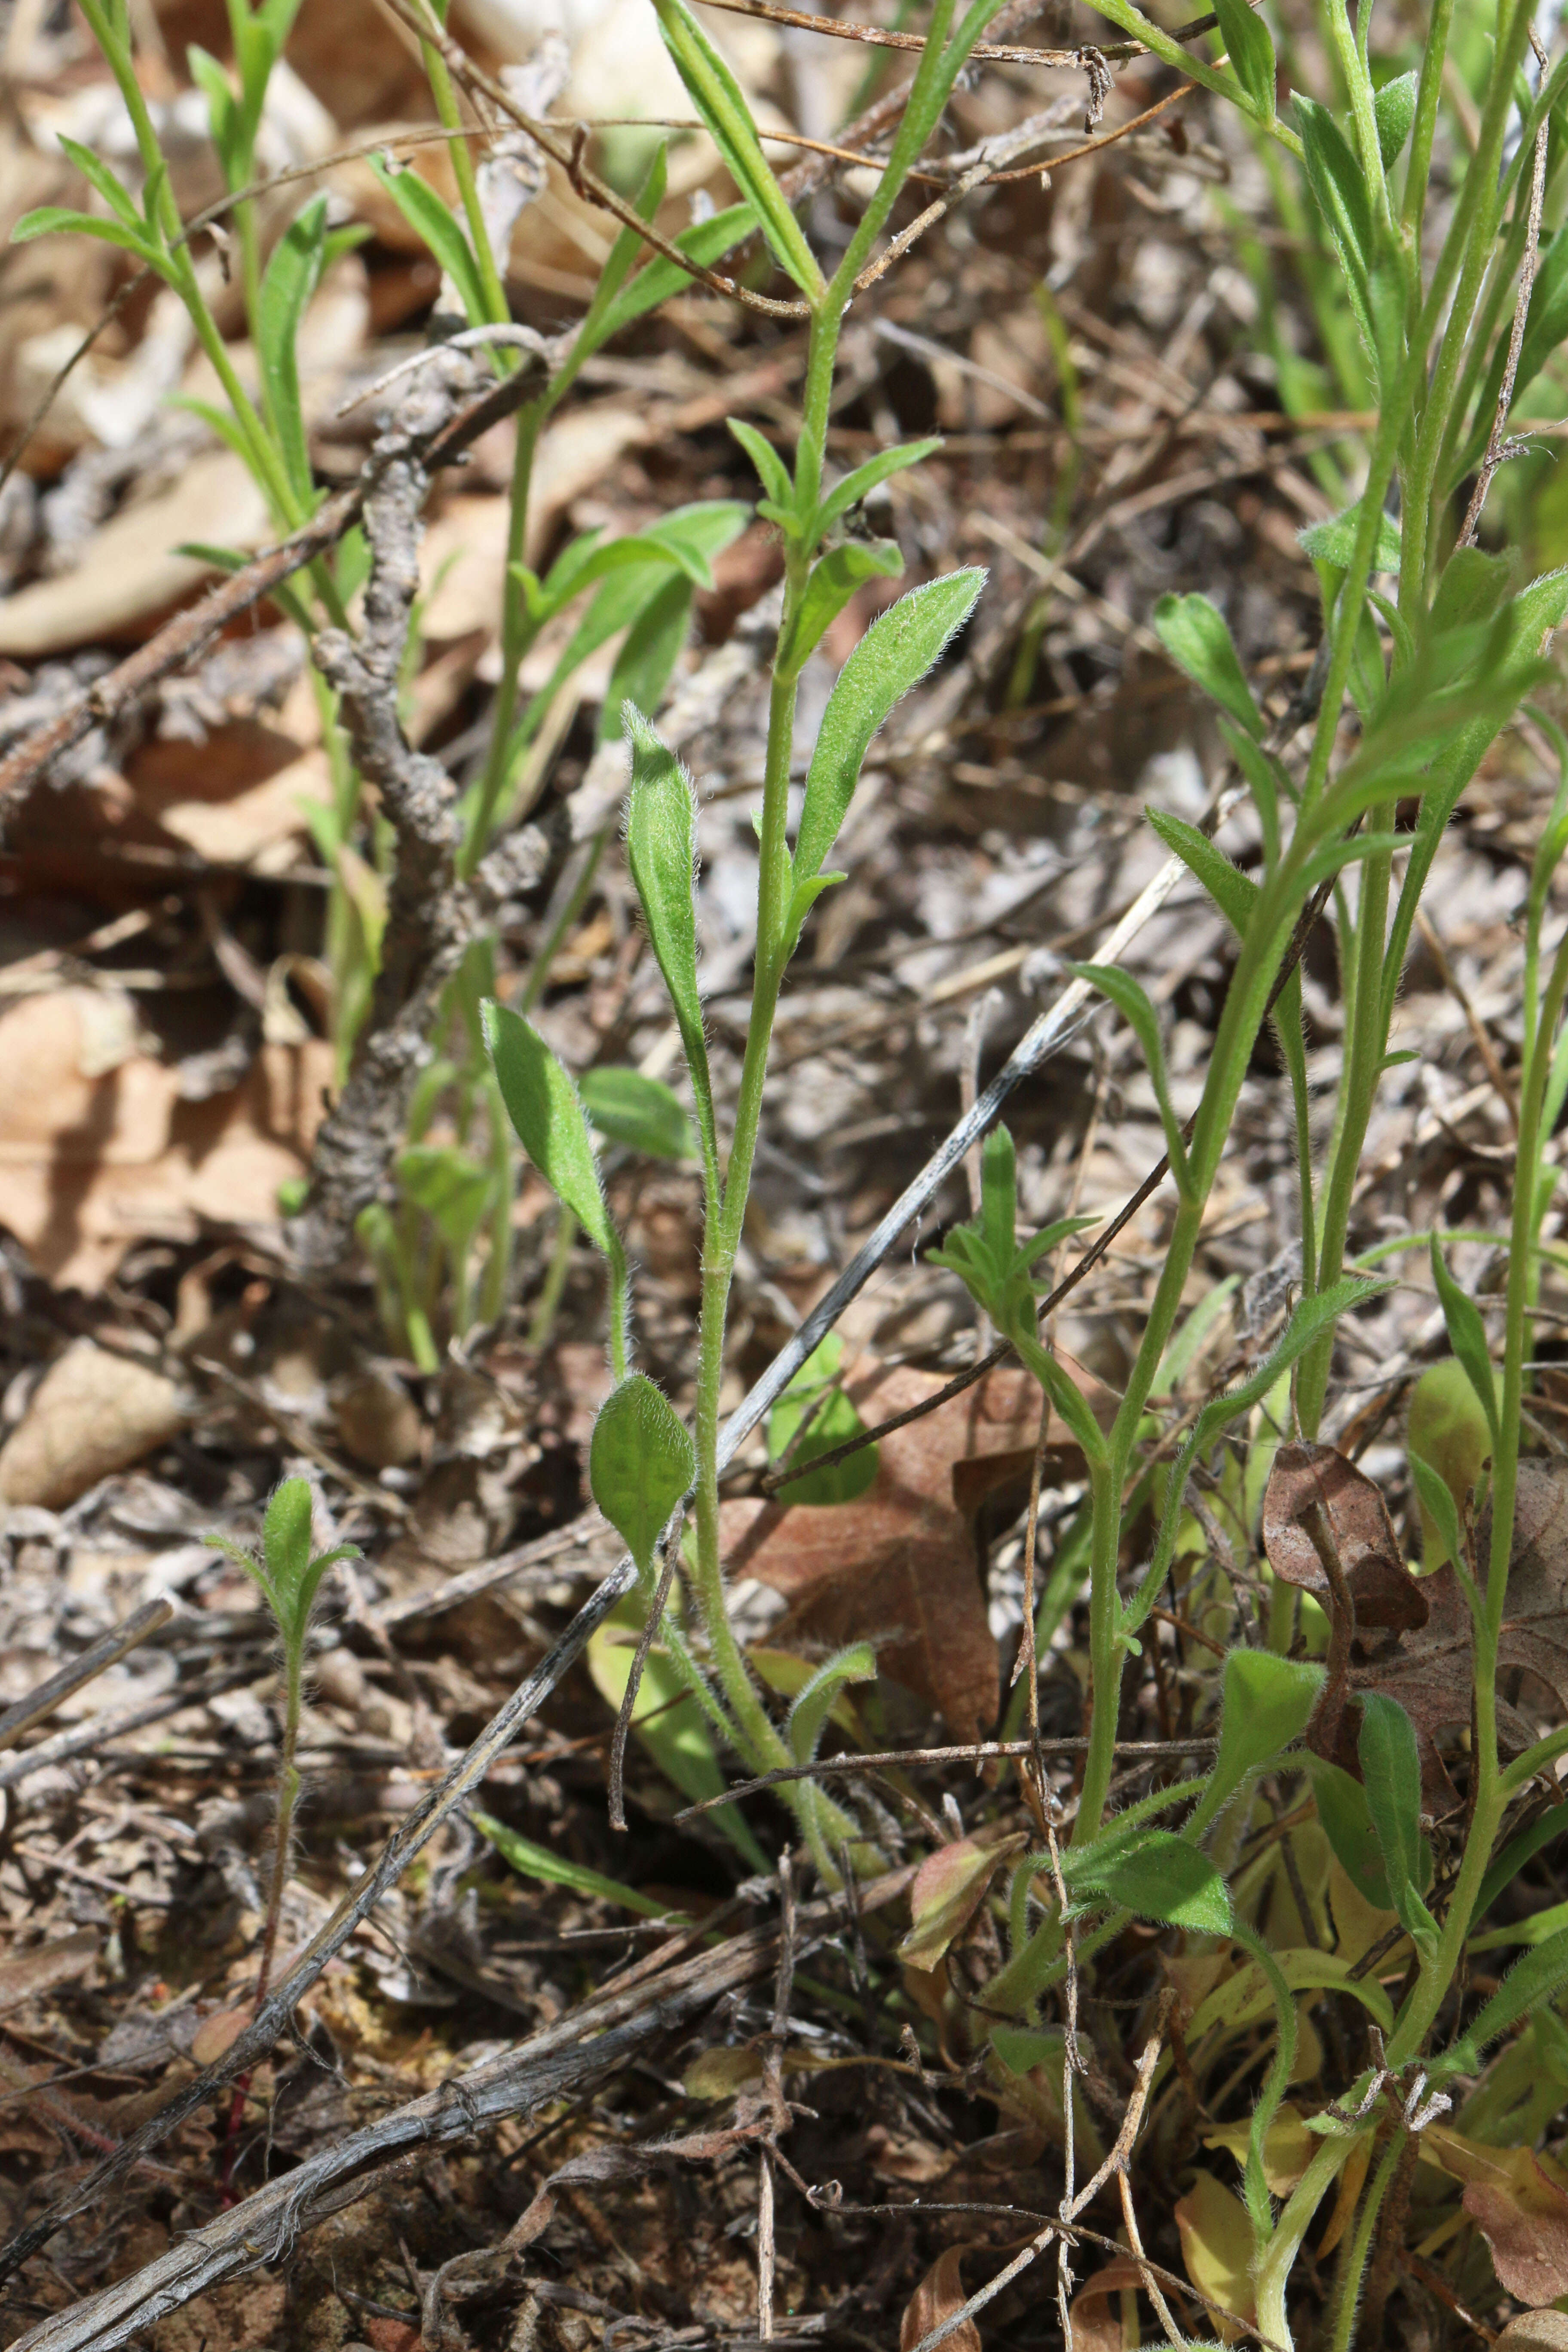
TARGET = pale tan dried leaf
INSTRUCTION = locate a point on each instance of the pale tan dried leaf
(91, 1413)
(949, 1888)
(1216, 2248)
(1095, 2310)
(1535, 2331)
(87, 1165)
(129, 575)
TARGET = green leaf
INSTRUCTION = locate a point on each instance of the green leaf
(431, 220)
(115, 194)
(661, 844)
(1251, 52)
(47, 220)
(1334, 542)
(1442, 1537)
(771, 471)
(1394, 107)
(1348, 1825)
(1473, 588)
(1266, 779)
(832, 582)
(641, 1460)
(864, 479)
(286, 1537)
(1532, 1981)
(718, 98)
(1159, 1877)
(1267, 1703)
(705, 243)
(292, 276)
(1233, 892)
(645, 662)
(1131, 1001)
(643, 1114)
(1342, 198)
(1447, 1432)
(1468, 1339)
(1194, 633)
(451, 1190)
(1391, 1773)
(666, 1720)
(554, 1870)
(856, 1664)
(548, 1117)
(833, 1424)
(223, 111)
(894, 655)
(595, 328)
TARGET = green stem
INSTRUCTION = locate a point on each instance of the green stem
(1359, 2246)
(516, 635)
(1274, 2272)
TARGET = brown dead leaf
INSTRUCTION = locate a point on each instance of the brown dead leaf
(899, 1566)
(97, 1150)
(1382, 1588)
(938, 2295)
(91, 1413)
(1094, 2312)
(23, 1975)
(1520, 2206)
(1535, 2331)
(1412, 1637)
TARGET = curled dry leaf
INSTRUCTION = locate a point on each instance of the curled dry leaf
(92, 1413)
(938, 2295)
(1307, 1478)
(1094, 2311)
(949, 1888)
(1411, 1640)
(899, 1566)
(1520, 2206)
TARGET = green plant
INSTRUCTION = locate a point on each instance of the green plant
(1433, 669)
(288, 1578)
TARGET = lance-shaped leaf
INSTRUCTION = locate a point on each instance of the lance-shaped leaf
(1233, 892)
(864, 479)
(642, 1113)
(1133, 1002)
(1333, 542)
(949, 1888)
(894, 655)
(1394, 107)
(293, 274)
(1159, 1877)
(430, 219)
(1251, 52)
(547, 1115)
(1343, 197)
(661, 849)
(1531, 1981)
(771, 472)
(858, 1663)
(832, 582)
(1194, 633)
(1391, 1773)
(1468, 1337)
(1447, 1432)
(640, 1463)
(718, 98)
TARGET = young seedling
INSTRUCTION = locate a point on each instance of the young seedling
(288, 1576)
